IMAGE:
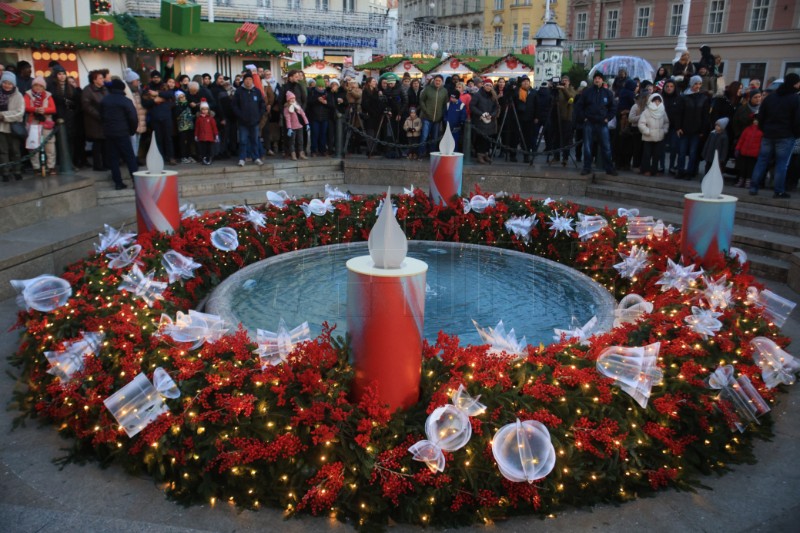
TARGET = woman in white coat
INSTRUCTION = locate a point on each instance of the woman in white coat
(653, 123)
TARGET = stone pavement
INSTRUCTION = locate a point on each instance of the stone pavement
(35, 495)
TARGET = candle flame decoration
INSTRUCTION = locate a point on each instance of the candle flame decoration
(387, 242)
(712, 181)
(155, 163)
(447, 146)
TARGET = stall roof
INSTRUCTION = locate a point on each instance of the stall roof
(424, 64)
(134, 33)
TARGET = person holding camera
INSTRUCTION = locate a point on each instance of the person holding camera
(565, 99)
(484, 110)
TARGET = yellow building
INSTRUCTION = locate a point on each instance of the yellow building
(511, 24)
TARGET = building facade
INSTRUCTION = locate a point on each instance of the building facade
(757, 39)
(463, 14)
(512, 24)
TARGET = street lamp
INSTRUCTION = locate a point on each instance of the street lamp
(301, 40)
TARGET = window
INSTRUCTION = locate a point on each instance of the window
(752, 71)
(580, 26)
(760, 13)
(349, 6)
(498, 36)
(612, 23)
(715, 13)
(264, 3)
(675, 16)
(322, 5)
(526, 34)
(515, 34)
(791, 67)
(293, 4)
(498, 4)
(643, 21)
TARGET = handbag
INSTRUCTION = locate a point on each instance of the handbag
(34, 137)
(19, 130)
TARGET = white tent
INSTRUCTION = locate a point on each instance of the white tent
(636, 67)
(321, 68)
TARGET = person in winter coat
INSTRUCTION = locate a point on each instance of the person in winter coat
(134, 84)
(41, 109)
(595, 110)
(67, 106)
(320, 109)
(413, 128)
(524, 100)
(544, 117)
(691, 118)
(184, 121)
(565, 99)
(747, 149)
(205, 133)
(249, 106)
(455, 114)
(296, 121)
(743, 116)
(354, 114)
(120, 121)
(90, 105)
(484, 110)
(717, 142)
(432, 101)
(413, 94)
(12, 109)
(159, 101)
(779, 119)
(670, 97)
(682, 71)
(653, 123)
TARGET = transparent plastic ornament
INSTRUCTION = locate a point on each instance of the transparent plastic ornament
(139, 403)
(776, 307)
(634, 370)
(124, 257)
(524, 451)
(738, 399)
(478, 203)
(194, 326)
(334, 194)
(225, 239)
(640, 227)
(274, 347)
(521, 226)
(43, 293)
(777, 365)
(142, 285)
(178, 266)
(501, 342)
(64, 363)
(588, 225)
(278, 199)
(630, 309)
(318, 207)
(704, 322)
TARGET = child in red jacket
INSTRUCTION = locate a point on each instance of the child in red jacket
(747, 149)
(205, 133)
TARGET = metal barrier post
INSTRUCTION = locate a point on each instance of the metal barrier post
(340, 135)
(65, 153)
(467, 144)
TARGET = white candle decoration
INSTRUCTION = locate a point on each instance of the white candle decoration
(387, 243)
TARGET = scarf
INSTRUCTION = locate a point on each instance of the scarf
(5, 96)
(753, 108)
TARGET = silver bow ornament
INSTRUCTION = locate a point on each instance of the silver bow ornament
(521, 226)
(478, 203)
(113, 238)
(188, 211)
(630, 309)
(178, 266)
(501, 342)
(632, 263)
(635, 370)
(254, 217)
(448, 429)
(64, 363)
(142, 285)
(124, 257)
(193, 326)
(275, 347)
(738, 400)
(777, 366)
(628, 213)
(140, 402)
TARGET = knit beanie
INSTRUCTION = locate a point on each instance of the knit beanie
(130, 76)
(203, 103)
(722, 122)
(9, 76)
(39, 80)
(695, 79)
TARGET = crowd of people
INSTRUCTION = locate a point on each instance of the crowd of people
(668, 125)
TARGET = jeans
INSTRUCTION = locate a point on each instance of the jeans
(319, 136)
(671, 146)
(652, 154)
(688, 145)
(604, 143)
(117, 147)
(248, 142)
(163, 131)
(781, 149)
(429, 129)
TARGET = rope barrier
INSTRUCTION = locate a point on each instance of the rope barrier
(31, 153)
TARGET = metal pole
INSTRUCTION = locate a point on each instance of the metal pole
(682, 33)
(467, 148)
(340, 135)
(65, 159)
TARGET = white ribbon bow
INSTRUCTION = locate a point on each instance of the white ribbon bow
(64, 363)
(678, 277)
(124, 257)
(588, 225)
(334, 194)
(630, 309)
(500, 341)
(635, 370)
(225, 239)
(188, 211)
(113, 238)
(256, 218)
(178, 266)
(581, 334)
(704, 322)
(318, 207)
(193, 327)
(521, 226)
(448, 429)
(738, 399)
(275, 347)
(478, 203)
(629, 213)
(142, 285)
(777, 366)
(278, 199)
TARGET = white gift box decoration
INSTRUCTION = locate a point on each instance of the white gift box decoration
(142, 285)
(524, 451)
(478, 203)
(704, 321)
(588, 225)
(560, 224)
(580, 334)
(632, 263)
(500, 341)
(521, 226)
(738, 399)
(334, 194)
(43, 293)
(640, 227)
(225, 239)
(275, 347)
(776, 307)
(678, 277)
(124, 257)
(318, 207)
(253, 216)
(139, 403)
(193, 326)
(113, 238)
(178, 266)
(64, 363)
(278, 199)
(448, 429)
(777, 366)
(630, 309)
(635, 370)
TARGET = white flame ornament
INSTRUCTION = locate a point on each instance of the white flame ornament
(43, 293)
(193, 327)
(124, 257)
(704, 322)
(588, 225)
(140, 402)
(501, 342)
(142, 285)
(712, 183)
(278, 199)
(524, 451)
(448, 429)
(178, 266)
(113, 238)
(580, 334)
(153, 160)
(447, 146)
(478, 203)
(678, 277)
(274, 347)
(635, 370)
(225, 239)
(318, 207)
(632, 263)
(738, 399)
(334, 194)
(521, 226)
(777, 366)
(387, 243)
(630, 309)
(64, 363)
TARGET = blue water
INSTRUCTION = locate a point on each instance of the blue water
(464, 282)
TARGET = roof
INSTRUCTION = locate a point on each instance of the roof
(424, 64)
(144, 34)
(551, 30)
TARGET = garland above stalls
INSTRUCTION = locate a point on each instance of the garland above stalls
(286, 435)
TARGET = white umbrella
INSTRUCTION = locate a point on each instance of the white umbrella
(636, 67)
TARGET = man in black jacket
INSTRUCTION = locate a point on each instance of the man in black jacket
(525, 105)
(249, 106)
(691, 126)
(595, 109)
(120, 120)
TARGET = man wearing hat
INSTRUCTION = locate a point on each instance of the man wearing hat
(159, 103)
(249, 106)
(524, 99)
(432, 102)
(134, 83)
(12, 109)
(91, 97)
(596, 108)
(120, 122)
(691, 126)
(320, 108)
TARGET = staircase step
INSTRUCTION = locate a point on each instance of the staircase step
(35, 199)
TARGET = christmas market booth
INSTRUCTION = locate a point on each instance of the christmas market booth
(416, 67)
